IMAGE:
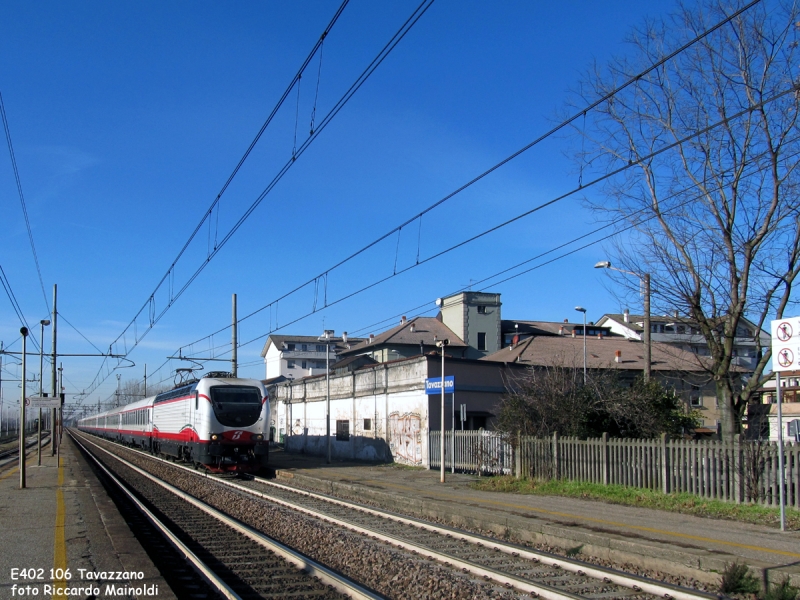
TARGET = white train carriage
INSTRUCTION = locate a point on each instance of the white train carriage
(136, 423)
(219, 421)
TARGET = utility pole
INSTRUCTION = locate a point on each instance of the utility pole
(442, 344)
(43, 322)
(234, 341)
(24, 332)
(55, 426)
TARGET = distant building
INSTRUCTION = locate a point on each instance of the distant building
(297, 356)
(762, 412)
(684, 333)
(683, 371)
(469, 320)
(412, 337)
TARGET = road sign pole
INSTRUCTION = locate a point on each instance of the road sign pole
(781, 481)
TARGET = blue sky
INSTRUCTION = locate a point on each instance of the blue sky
(127, 118)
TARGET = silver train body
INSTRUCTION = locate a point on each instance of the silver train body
(218, 421)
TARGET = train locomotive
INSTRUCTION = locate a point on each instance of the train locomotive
(217, 421)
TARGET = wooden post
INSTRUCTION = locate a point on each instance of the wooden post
(738, 474)
(665, 470)
(604, 451)
(518, 456)
(555, 456)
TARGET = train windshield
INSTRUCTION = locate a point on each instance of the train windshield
(236, 405)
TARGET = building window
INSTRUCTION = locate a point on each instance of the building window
(304, 347)
(696, 400)
(481, 340)
(481, 309)
(290, 347)
(305, 365)
(367, 424)
(343, 431)
(290, 364)
(320, 348)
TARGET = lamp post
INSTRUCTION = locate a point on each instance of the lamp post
(43, 322)
(442, 344)
(327, 337)
(646, 338)
(583, 310)
(24, 332)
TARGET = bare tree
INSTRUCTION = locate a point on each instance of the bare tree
(708, 145)
(554, 399)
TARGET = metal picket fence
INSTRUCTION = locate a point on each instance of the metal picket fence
(738, 471)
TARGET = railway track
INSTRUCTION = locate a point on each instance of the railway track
(498, 565)
(10, 450)
(233, 560)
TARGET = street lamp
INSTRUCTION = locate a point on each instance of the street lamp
(441, 344)
(645, 278)
(327, 337)
(583, 310)
(43, 322)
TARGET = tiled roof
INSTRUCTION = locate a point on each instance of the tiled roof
(425, 329)
(567, 351)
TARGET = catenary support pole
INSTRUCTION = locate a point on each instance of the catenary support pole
(24, 332)
(234, 341)
(55, 413)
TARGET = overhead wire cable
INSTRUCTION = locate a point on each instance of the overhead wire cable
(401, 33)
(22, 198)
(384, 52)
(508, 159)
(246, 154)
(793, 89)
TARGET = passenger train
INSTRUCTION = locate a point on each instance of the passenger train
(217, 421)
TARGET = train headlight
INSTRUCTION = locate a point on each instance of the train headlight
(257, 437)
(214, 437)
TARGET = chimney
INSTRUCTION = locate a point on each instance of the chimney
(413, 327)
(566, 320)
(599, 336)
(403, 320)
(344, 337)
(371, 337)
(676, 314)
(618, 356)
(626, 316)
(561, 330)
(573, 333)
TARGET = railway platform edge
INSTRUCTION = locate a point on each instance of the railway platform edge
(64, 519)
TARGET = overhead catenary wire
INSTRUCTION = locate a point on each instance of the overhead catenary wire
(565, 123)
(582, 186)
(465, 186)
(22, 198)
(383, 53)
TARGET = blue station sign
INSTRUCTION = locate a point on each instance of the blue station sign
(433, 385)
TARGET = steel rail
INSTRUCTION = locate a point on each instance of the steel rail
(190, 556)
(302, 562)
(634, 582)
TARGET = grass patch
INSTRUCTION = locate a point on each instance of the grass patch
(629, 496)
(402, 467)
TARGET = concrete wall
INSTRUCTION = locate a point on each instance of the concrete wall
(391, 396)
